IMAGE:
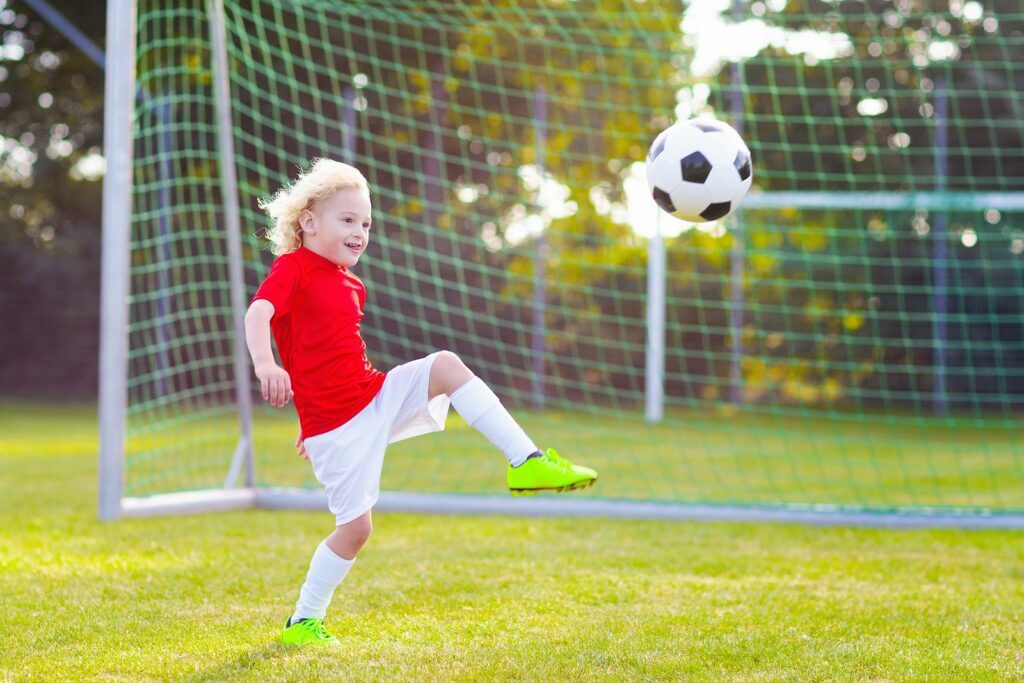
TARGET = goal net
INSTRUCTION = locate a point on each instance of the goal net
(850, 341)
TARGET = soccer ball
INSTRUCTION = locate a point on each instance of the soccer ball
(699, 170)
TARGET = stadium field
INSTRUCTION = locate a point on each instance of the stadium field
(481, 598)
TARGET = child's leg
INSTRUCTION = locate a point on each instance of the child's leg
(480, 407)
(331, 562)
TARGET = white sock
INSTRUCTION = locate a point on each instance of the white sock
(481, 408)
(326, 571)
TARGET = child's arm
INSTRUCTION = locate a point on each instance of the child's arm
(274, 380)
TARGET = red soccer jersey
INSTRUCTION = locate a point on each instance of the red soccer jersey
(317, 310)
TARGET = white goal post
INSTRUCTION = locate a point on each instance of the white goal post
(241, 488)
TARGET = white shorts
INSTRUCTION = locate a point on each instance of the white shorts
(348, 460)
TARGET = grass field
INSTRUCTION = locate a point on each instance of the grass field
(695, 456)
(481, 598)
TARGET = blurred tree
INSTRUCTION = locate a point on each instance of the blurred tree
(839, 303)
(454, 98)
(450, 110)
(51, 120)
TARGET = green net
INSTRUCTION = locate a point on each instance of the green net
(851, 337)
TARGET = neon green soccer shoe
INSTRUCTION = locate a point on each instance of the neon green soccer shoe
(308, 632)
(549, 472)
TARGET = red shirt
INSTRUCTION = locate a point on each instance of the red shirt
(317, 310)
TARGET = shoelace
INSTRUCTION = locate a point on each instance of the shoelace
(316, 627)
(552, 456)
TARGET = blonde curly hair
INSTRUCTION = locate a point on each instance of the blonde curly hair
(324, 178)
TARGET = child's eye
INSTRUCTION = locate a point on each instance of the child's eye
(348, 220)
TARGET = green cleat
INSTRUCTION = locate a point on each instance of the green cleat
(307, 632)
(549, 472)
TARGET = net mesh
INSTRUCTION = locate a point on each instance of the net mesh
(850, 337)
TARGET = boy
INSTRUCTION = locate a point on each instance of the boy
(348, 411)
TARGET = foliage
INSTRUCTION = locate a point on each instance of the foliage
(457, 99)
(51, 117)
(840, 304)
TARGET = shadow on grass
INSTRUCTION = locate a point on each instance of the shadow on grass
(248, 662)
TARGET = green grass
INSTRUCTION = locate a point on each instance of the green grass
(481, 598)
(694, 456)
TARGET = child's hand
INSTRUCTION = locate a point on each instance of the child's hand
(300, 448)
(275, 383)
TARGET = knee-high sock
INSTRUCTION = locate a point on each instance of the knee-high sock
(481, 408)
(326, 571)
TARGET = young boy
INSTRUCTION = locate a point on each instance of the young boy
(348, 411)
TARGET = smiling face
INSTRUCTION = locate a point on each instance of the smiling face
(338, 227)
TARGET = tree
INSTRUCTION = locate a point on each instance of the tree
(50, 120)
(842, 301)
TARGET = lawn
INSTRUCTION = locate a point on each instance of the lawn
(695, 456)
(481, 598)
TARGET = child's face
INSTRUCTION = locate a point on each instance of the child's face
(338, 227)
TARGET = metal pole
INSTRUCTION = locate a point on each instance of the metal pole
(119, 99)
(737, 302)
(655, 376)
(540, 117)
(348, 126)
(940, 253)
(70, 31)
(434, 171)
(233, 225)
(164, 111)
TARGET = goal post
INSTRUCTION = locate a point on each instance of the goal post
(243, 455)
(845, 348)
(117, 183)
(121, 94)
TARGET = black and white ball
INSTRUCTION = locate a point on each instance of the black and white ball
(699, 170)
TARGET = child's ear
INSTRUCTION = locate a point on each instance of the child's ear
(307, 221)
